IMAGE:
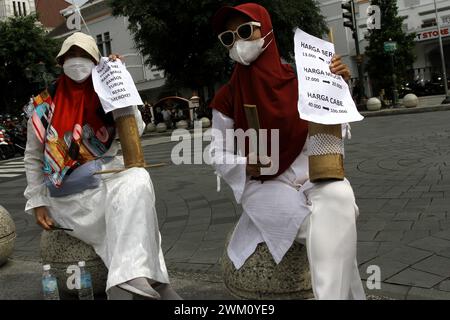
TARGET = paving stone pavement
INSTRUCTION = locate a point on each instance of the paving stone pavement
(399, 167)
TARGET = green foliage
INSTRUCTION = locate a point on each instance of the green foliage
(378, 65)
(177, 35)
(23, 45)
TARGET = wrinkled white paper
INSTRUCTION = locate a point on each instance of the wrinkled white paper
(323, 97)
(114, 85)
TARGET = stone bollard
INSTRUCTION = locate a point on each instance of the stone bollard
(161, 127)
(150, 127)
(182, 124)
(410, 100)
(261, 278)
(61, 250)
(206, 123)
(373, 104)
(7, 235)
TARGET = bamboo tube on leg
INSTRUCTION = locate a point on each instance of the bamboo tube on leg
(326, 160)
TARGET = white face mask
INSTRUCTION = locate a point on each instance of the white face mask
(245, 52)
(78, 69)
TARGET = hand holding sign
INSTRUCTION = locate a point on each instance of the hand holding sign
(324, 97)
(114, 85)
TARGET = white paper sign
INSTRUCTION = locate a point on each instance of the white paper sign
(323, 96)
(114, 85)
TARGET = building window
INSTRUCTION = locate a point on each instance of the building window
(428, 22)
(410, 3)
(24, 9)
(20, 8)
(104, 44)
(107, 42)
(15, 9)
(446, 19)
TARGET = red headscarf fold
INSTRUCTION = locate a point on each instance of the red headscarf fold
(268, 84)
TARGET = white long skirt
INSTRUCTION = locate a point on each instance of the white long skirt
(118, 219)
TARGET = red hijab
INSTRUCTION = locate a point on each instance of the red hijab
(268, 84)
(72, 126)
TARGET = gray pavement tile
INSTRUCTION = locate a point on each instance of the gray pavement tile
(207, 255)
(393, 291)
(440, 187)
(394, 205)
(407, 216)
(189, 267)
(198, 221)
(373, 225)
(406, 255)
(431, 244)
(385, 247)
(429, 223)
(181, 251)
(224, 220)
(444, 252)
(371, 205)
(219, 201)
(415, 278)
(433, 214)
(411, 195)
(389, 236)
(427, 294)
(422, 188)
(198, 204)
(435, 265)
(367, 235)
(175, 218)
(445, 286)
(398, 225)
(434, 195)
(196, 227)
(443, 234)
(388, 267)
(413, 235)
(192, 237)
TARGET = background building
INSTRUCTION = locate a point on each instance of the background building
(11, 8)
(49, 12)
(420, 19)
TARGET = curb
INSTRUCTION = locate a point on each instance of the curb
(403, 110)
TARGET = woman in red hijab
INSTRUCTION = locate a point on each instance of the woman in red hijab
(281, 206)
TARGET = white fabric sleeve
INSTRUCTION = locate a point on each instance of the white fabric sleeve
(36, 191)
(231, 167)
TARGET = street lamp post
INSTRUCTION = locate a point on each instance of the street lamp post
(444, 71)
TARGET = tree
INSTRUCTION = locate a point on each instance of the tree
(391, 29)
(23, 46)
(177, 35)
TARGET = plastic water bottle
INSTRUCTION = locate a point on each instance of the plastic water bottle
(85, 292)
(49, 284)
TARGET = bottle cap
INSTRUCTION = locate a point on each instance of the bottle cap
(47, 267)
(82, 264)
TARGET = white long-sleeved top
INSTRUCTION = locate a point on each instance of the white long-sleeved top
(36, 192)
(273, 211)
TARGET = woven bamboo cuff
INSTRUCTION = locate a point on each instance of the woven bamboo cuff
(123, 112)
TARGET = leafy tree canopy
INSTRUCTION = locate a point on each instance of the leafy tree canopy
(177, 35)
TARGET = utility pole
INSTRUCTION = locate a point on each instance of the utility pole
(444, 71)
(349, 15)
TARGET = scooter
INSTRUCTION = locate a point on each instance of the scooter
(7, 146)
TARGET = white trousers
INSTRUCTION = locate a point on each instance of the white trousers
(329, 233)
(119, 220)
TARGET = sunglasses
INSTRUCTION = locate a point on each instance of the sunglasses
(244, 31)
